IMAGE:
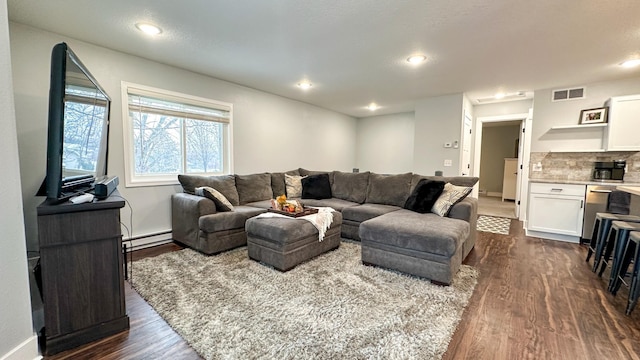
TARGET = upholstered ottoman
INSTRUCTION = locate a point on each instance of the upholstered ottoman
(424, 245)
(284, 243)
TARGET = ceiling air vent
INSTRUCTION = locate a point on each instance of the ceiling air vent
(568, 94)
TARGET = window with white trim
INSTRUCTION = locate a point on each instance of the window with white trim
(168, 133)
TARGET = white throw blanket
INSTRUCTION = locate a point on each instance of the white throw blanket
(321, 220)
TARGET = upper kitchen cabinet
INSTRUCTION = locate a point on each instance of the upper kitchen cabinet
(624, 120)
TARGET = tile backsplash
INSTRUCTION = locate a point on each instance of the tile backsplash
(579, 166)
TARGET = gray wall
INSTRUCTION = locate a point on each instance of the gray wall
(498, 143)
(261, 122)
(17, 340)
(385, 143)
(437, 120)
(547, 114)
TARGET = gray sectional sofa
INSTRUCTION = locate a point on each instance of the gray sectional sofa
(371, 206)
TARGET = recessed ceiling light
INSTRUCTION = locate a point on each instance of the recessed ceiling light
(631, 63)
(304, 85)
(148, 28)
(416, 59)
(373, 107)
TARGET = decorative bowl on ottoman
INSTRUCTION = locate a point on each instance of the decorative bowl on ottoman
(286, 242)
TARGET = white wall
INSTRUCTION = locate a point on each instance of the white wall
(498, 143)
(385, 143)
(503, 108)
(437, 120)
(17, 340)
(547, 114)
(261, 122)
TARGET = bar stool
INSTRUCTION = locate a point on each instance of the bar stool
(634, 284)
(616, 241)
(601, 228)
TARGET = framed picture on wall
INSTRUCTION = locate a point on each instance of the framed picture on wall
(593, 116)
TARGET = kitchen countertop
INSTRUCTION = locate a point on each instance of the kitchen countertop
(583, 182)
(635, 190)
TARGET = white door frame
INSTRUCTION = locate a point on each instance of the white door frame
(478, 148)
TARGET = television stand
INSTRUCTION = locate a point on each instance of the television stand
(82, 272)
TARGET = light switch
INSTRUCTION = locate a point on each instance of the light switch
(448, 162)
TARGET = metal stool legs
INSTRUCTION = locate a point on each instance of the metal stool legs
(634, 287)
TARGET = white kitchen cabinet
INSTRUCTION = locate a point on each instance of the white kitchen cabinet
(509, 179)
(556, 211)
(624, 120)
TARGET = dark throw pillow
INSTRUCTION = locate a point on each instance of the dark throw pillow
(424, 195)
(316, 187)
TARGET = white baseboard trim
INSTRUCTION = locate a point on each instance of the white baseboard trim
(149, 240)
(494, 194)
(28, 349)
(552, 236)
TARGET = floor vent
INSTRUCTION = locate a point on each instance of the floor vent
(568, 94)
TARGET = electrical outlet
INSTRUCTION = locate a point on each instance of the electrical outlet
(447, 144)
(537, 167)
(448, 162)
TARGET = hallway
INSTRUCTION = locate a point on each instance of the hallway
(494, 206)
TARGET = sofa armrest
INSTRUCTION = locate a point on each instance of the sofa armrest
(466, 210)
(186, 210)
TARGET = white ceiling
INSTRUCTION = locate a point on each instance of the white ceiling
(354, 51)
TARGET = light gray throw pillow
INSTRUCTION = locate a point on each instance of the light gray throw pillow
(294, 185)
(222, 204)
(450, 196)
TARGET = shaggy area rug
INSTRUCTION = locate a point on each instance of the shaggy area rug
(332, 307)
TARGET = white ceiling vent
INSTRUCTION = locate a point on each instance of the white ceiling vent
(568, 94)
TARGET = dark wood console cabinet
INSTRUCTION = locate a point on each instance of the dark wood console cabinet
(82, 272)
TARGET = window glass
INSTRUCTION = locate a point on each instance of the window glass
(170, 134)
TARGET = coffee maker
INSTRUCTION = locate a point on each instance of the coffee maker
(617, 173)
(612, 171)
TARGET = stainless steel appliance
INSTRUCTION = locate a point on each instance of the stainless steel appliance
(602, 170)
(597, 197)
(609, 171)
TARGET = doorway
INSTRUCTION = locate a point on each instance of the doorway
(498, 159)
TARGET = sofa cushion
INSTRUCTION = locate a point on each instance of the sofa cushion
(467, 181)
(316, 187)
(350, 186)
(228, 220)
(293, 184)
(225, 184)
(410, 230)
(278, 186)
(389, 189)
(365, 212)
(254, 187)
(263, 204)
(424, 195)
(222, 204)
(335, 203)
(450, 196)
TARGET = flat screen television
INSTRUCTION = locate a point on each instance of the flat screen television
(78, 128)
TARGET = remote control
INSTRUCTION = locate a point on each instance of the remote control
(84, 198)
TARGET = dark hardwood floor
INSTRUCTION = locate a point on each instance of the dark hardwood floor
(535, 299)
(538, 299)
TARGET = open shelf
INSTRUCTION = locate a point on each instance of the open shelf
(583, 126)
